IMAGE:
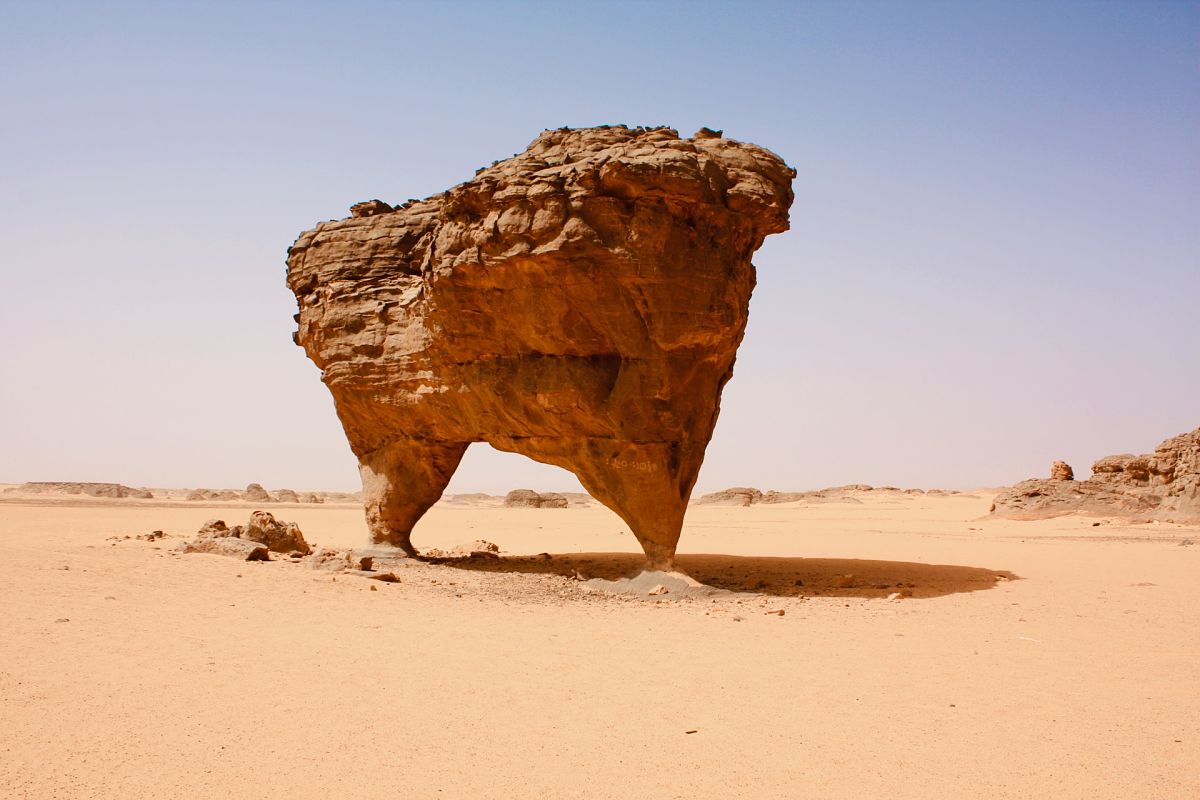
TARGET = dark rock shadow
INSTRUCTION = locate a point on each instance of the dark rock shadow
(768, 575)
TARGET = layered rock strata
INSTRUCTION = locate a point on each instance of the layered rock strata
(1163, 485)
(580, 303)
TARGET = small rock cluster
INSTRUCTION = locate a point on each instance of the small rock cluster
(261, 535)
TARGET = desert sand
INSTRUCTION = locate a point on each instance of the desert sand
(1053, 658)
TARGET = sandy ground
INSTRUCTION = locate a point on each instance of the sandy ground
(1034, 659)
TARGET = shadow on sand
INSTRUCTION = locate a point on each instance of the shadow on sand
(768, 575)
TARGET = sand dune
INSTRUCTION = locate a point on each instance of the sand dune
(1034, 659)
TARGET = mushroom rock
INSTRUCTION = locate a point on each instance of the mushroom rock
(580, 303)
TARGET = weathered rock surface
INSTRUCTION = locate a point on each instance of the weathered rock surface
(278, 536)
(255, 493)
(209, 494)
(736, 496)
(1061, 471)
(262, 528)
(286, 496)
(475, 549)
(1164, 485)
(228, 546)
(313, 498)
(580, 303)
(114, 490)
(527, 498)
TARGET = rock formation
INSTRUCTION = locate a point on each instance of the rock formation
(263, 530)
(112, 490)
(580, 303)
(736, 496)
(1164, 485)
(1061, 471)
(209, 494)
(255, 493)
(286, 496)
(527, 498)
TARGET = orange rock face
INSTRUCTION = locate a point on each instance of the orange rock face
(580, 303)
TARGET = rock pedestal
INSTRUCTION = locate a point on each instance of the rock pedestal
(580, 303)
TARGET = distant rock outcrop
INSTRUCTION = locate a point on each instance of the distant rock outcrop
(746, 496)
(209, 494)
(736, 496)
(1061, 471)
(527, 498)
(286, 496)
(1164, 485)
(255, 493)
(580, 303)
(112, 490)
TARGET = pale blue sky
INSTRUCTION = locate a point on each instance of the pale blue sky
(994, 259)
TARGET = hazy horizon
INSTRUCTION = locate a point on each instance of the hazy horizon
(994, 259)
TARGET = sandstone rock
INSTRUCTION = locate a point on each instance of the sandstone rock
(209, 494)
(255, 493)
(370, 208)
(1061, 471)
(527, 498)
(1164, 486)
(280, 537)
(580, 303)
(113, 490)
(736, 496)
(228, 546)
(286, 496)
(479, 547)
(213, 527)
(313, 498)
(327, 558)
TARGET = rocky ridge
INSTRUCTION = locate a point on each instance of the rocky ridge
(1163, 485)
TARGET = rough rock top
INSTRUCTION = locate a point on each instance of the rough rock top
(1163, 485)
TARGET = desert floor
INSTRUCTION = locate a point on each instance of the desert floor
(1033, 659)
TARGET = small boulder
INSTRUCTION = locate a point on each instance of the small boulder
(212, 528)
(281, 537)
